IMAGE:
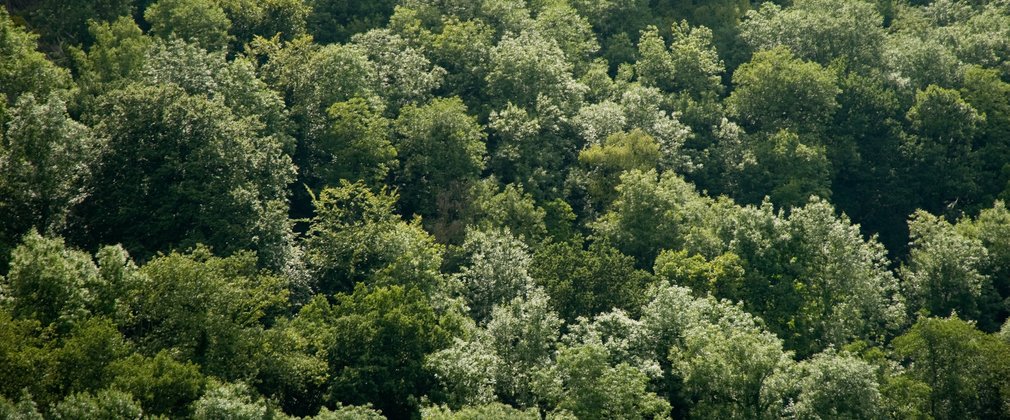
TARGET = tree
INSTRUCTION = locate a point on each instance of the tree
(943, 274)
(285, 19)
(820, 31)
(530, 149)
(507, 16)
(848, 291)
(115, 58)
(920, 62)
(690, 65)
(718, 379)
(717, 355)
(610, 18)
(813, 277)
(638, 108)
(222, 331)
(23, 69)
(103, 405)
(466, 372)
(23, 408)
(832, 384)
(945, 127)
(571, 31)
(621, 152)
(869, 182)
(463, 49)
(357, 147)
(313, 78)
(650, 214)
(201, 21)
(231, 401)
(627, 341)
(495, 271)
(988, 95)
(335, 20)
(49, 282)
(654, 67)
(776, 90)
(23, 359)
(476, 412)
(405, 74)
(349, 412)
(194, 170)
(356, 238)
(83, 361)
(530, 71)
(722, 276)
(990, 227)
(65, 23)
(440, 145)
(586, 282)
(377, 352)
(789, 170)
(696, 62)
(523, 333)
(964, 369)
(232, 82)
(162, 385)
(592, 389)
(975, 39)
(508, 207)
(45, 159)
(505, 358)
(295, 369)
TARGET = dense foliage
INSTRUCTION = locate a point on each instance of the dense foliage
(455, 209)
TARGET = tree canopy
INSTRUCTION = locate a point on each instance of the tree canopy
(470, 209)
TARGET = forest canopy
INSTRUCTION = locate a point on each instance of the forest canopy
(454, 209)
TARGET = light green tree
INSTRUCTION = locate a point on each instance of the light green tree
(944, 270)
(832, 385)
(820, 31)
(103, 405)
(22, 68)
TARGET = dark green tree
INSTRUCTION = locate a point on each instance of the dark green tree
(964, 368)
(222, 331)
(586, 282)
(380, 337)
(191, 171)
(440, 147)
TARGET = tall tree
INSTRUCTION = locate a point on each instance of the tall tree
(777, 90)
(192, 170)
(440, 147)
(45, 161)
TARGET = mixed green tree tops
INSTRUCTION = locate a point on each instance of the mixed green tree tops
(459, 209)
